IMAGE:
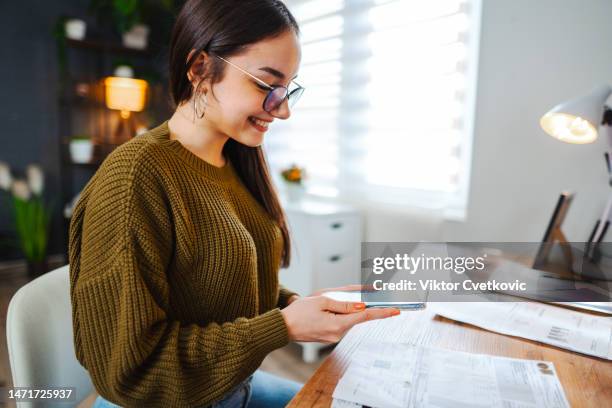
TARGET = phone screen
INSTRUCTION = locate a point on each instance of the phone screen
(355, 296)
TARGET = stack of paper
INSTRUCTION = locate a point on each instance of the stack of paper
(554, 325)
(389, 375)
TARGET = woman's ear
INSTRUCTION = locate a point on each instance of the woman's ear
(198, 69)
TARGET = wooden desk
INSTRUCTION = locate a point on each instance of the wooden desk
(587, 381)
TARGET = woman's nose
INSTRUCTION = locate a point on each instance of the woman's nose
(283, 111)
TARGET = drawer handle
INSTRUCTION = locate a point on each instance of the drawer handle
(336, 225)
(334, 258)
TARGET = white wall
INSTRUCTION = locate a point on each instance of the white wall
(534, 54)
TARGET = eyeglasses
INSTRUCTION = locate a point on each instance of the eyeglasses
(276, 93)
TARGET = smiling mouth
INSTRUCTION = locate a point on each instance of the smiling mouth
(259, 124)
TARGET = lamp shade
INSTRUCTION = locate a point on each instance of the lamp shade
(125, 94)
(577, 120)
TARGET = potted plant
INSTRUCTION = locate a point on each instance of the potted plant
(136, 37)
(31, 215)
(81, 149)
(130, 17)
(293, 178)
(75, 29)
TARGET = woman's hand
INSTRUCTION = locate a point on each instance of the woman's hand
(319, 318)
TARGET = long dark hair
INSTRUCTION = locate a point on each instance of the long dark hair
(225, 28)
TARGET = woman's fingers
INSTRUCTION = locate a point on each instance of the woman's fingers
(368, 314)
(338, 306)
(381, 312)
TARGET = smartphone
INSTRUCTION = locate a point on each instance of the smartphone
(356, 296)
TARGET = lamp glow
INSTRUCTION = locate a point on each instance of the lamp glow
(125, 94)
(568, 128)
(577, 121)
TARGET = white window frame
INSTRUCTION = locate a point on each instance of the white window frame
(453, 205)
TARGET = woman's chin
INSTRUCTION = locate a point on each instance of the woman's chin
(251, 140)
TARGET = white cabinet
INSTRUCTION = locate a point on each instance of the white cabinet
(326, 247)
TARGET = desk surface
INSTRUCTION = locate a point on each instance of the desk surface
(587, 381)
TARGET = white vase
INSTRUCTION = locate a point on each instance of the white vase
(136, 37)
(294, 192)
(81, 151)
(75, 29)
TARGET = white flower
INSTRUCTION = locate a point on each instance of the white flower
(21, 190)
(36, 179)
(6, 179)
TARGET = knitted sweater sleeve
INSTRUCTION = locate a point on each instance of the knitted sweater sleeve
(284, 295)
(125, 335)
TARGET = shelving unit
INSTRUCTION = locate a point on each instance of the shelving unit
(82, 109)
(106, 47)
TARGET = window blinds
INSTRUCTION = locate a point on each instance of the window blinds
(387, 115)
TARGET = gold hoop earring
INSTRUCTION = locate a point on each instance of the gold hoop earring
(196, 102)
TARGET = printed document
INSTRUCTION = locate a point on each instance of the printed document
(389, 375)
(568, 329)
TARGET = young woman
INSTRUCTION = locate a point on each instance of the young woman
(176, 242)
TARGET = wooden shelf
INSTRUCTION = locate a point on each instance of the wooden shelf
(102, 46)
(79, 102)
(81, 106)
(90, 165)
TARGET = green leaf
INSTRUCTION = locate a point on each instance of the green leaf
(125, 7)
(32, 223)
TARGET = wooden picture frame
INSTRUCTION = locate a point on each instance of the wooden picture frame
(554, 234)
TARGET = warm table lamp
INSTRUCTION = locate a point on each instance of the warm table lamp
(577, 121)
(126, 95)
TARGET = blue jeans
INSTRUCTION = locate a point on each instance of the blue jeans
(261, 390)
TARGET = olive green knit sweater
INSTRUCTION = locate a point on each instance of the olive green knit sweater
(173, 277)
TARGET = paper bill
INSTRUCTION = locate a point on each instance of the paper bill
(568, 329)
(394, 375)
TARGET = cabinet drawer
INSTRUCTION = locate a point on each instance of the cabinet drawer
(336, 270)
(333, 235)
